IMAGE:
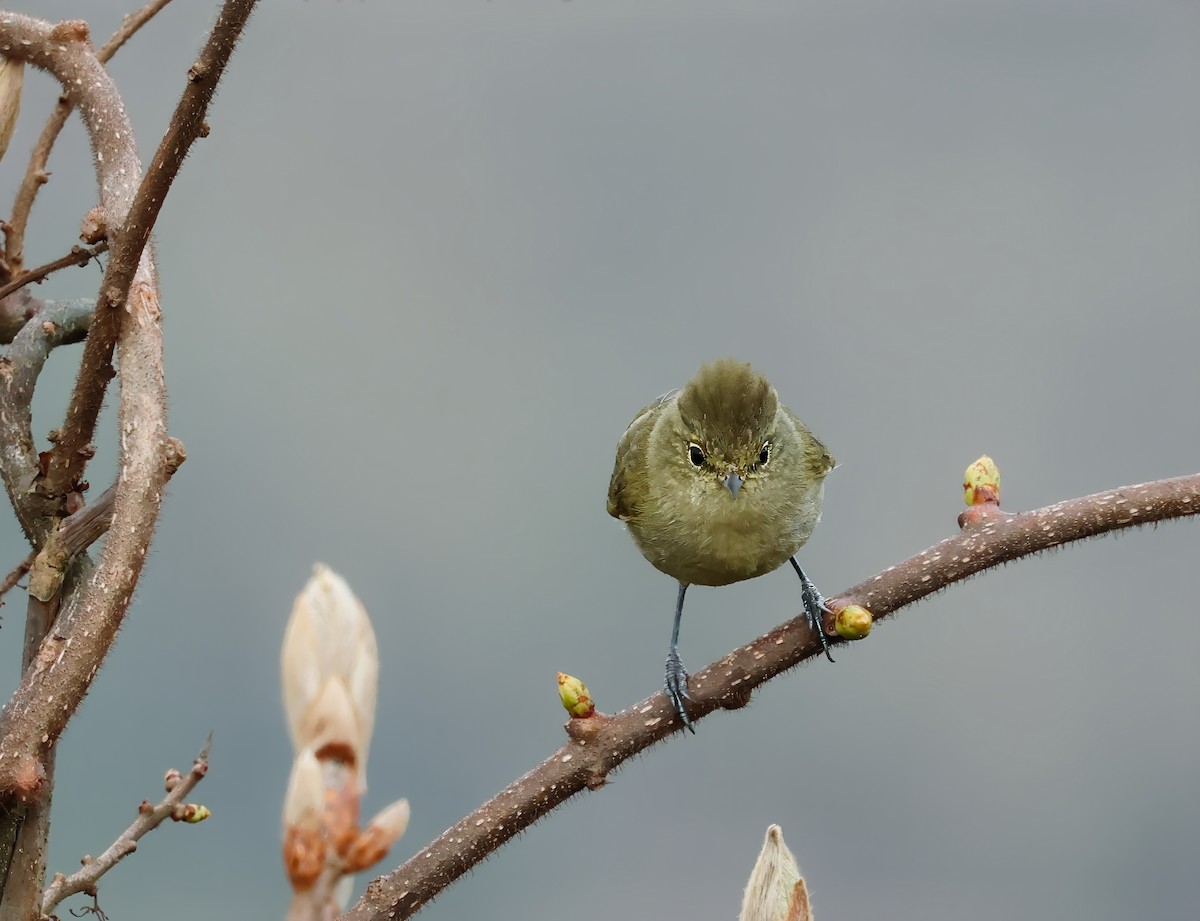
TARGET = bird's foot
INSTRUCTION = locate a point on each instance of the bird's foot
(815, 607)
(676, 688)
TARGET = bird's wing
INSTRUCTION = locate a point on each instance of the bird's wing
(624, 501)
(816, 456)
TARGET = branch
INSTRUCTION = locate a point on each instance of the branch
(602, 743)
(16, 575)
(51, 689)
(57, 323)
(35, 174)
(131, 273)
(149, 818)
(77, 256)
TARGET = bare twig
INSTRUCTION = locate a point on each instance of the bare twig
(78, 255)
(16, 575)
(35, 173)
(602, 743)
(149, 818)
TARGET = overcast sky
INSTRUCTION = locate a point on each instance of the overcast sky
(429, 263)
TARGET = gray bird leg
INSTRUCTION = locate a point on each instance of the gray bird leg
(677, 677)
(814, 606)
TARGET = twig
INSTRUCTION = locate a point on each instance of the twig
(149, 818)
(16, 575)
(35, 173)
(600, 744)
(78, 255)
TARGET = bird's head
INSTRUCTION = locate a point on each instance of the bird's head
(727, 419)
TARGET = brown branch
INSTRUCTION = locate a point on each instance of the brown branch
(77, 256)
(16, 575)
(130, 270)
(15, 311)
(600, 744)
(149, 818)
(51, 689)
(35, 174)
(64, 50)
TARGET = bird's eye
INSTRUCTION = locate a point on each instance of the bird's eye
(765, 454)
(696, 454)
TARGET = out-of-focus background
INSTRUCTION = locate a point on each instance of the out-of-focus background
(429, 263)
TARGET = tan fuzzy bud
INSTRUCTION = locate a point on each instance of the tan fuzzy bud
(981, 482)
(94, 226)
(377, 838)
(576, 698)
(171, 780)
(330, 669)
(776, 890)
(303, 857)
(304, 802)
(12, 79)
(853, 622)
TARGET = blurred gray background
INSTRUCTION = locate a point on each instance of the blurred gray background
(433, 258)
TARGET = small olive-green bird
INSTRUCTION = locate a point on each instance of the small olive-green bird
(720, 482)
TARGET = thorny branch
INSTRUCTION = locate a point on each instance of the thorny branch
(600, 744)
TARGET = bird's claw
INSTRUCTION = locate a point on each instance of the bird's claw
(814, 606)
(676, 688)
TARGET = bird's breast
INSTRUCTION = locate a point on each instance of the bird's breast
(711, 538)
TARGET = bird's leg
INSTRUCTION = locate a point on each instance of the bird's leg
(677, 677)
(814, 606)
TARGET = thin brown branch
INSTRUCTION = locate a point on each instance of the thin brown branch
(35, 174)
(16, 575)
(149, 818)
(600, 744)
(51, 689)
(78, 255)
(130, 270)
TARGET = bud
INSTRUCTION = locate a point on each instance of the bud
(575, 697)
(776, 890)
(192, 813)
(853, 622)
(303, 836)
(12, 79)
(330, 670)
(981, 482)
(380, 834)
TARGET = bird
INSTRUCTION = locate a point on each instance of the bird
(719, 482)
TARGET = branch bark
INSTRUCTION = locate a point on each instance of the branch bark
(51, 689)
(35, 173)
(600, 744)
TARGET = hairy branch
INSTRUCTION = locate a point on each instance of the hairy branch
(35, 174)
(149, 818)
(55, 683)
(600, 744)
(77, 256)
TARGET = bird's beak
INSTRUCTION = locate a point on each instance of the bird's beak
(733, 483)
